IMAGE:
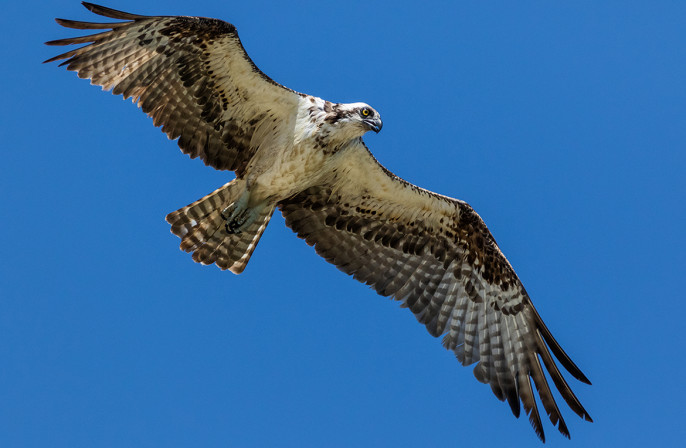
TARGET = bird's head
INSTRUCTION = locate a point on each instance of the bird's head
(368, 118)
(354, 119)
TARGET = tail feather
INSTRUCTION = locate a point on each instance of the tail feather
(202, 230)
(233, 251)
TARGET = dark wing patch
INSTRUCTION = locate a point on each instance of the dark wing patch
(190, 74)
(436, 256)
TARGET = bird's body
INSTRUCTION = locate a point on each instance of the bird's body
(298, 158)
(305, 156)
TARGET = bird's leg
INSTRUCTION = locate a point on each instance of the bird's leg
(239, 215)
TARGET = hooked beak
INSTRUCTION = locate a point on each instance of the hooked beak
(374, 124)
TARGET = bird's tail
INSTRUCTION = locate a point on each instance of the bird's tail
(202, 229)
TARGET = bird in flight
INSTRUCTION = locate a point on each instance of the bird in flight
(306, 157)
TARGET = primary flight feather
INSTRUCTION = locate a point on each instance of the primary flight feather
(305, 155)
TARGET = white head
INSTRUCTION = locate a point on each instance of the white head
(349, 121)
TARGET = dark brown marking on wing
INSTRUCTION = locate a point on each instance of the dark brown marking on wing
(166, 64)
(449, 271)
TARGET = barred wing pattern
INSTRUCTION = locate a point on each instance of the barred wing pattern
(191, 75)
(436, 256)
(432, 253)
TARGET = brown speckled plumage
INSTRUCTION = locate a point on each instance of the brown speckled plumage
(167, 66)
(305, 156)
(445, 266)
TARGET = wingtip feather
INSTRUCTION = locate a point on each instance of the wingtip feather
(557, 350)
(78, 25)
(109, 12)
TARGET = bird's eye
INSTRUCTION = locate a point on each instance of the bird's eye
(365, 112)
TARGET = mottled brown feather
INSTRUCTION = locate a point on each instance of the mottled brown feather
(172, 67)
(436, 256)
(432, 253)
(202, 230)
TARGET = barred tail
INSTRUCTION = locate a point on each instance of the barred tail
(202, 230)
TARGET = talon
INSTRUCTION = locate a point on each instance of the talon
(237, 215)
(232, 227)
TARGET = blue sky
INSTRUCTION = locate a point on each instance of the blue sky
(563, 125)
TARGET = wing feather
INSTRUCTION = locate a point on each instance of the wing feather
(432, 253)
(190, 74)
(435, 255)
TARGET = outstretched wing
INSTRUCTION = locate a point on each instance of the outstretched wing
(436, 256)
(191, 75)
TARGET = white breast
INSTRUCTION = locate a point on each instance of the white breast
(289, 159)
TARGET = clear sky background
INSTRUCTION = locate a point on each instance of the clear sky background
(562, 123)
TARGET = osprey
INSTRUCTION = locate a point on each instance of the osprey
(305, 155)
